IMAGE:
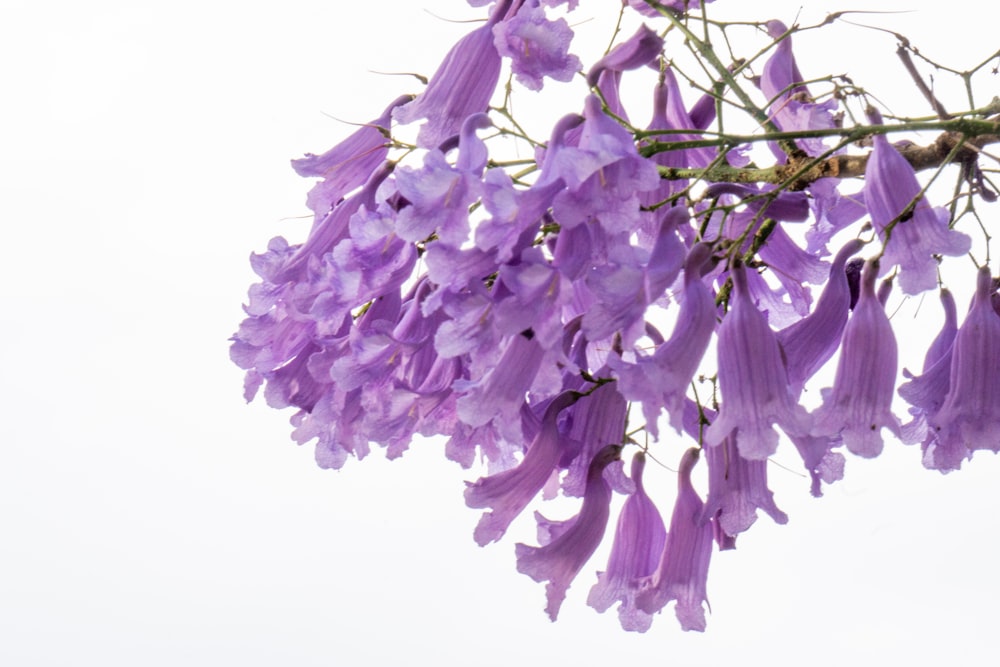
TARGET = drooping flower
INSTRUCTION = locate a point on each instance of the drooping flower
(499, 393)
(858, 406)
(507, 493)
(559, 561)
(912, 230)
(969, 419)
(598, 418)
(608, 192)
(439, 194)
(682, 573)
(660, 381)
(752, 380)
(347, 165)
(810, 342)
(737, 488)
(640, 49)
(462, 85)
(792, 108)
(635, 553)
(536, 46)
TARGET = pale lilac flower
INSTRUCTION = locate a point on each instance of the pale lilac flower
(969, 419)
(604, 175)
(640, 49)
(348, 165)
(439, 194)
(737, 488)
(635, 553)
(509, 492)
(462, 85)
(913, 232)
(682, 572)
(792, 108)
(536, 46)
(533, 295)
(669, 113)
(597, 419)
(661, 381)
(559, 561)
(824, 465)
(810, 342)
(500, 392)
(752, 380)
(832, 212)
(858, 406)
(926, 392)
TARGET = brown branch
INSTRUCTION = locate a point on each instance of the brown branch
(800, 172)
(919, 157)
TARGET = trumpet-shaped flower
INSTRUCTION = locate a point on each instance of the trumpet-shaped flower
(462, 85)
(858, 406)
(507, 493)
(635, 553)
(682, 572)
(559, 561)
(915, 231)
(536, 46)
(810, 342)
(737, 488)
(969, 419)
(752, 380)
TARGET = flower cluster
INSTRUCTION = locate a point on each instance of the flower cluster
(520, 312)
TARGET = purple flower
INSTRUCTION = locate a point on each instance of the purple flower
(823, 464)
(737, 488)
(661, 381)
(926, 392)
(439, 195)
(536, 46)
(752, 380)
(858, 406)
(640, 49)
(604, 175)
(912, 231)
(810, 342)
(462, 85)
(559, 561)
(597, 419)
(969, 419)
(500, 392)
(792, 108)
(509, 492)
(682, 573)
(635, 553)
(348, 164)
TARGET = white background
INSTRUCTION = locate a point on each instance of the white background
(149, 517)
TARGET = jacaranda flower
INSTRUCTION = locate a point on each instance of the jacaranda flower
(635, 553)
(462, 85)
(536, 46)
(913, 231)
(559, 561)
(859, 405)
(737, 488)
(969, 419)
(682, 572)
(810, 342)
(509, 492)
(752, 380)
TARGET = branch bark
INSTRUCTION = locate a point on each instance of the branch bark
(800, 172)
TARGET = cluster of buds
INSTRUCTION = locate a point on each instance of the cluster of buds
(520, 314)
